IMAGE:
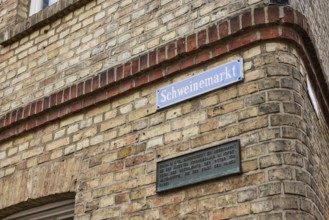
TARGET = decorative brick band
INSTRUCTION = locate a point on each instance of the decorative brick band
(250, 27)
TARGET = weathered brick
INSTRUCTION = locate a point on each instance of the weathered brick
(270, 189)
(280, 70)
(106, 213)
(261, 206)
(141, 113)
(209, 138)
(169, 199)
(58, 143)
(228, 94)
(285, 203)
(170, 211)
(255, 99)
(290, 132)
(209, 125)
(227, 119)
(286, 120)
(71, 120)
(280, 145)
(268, 108)
(209, 101)
(113, 123)
(248, 89)
(70, 149)
(249, 165)
(269, 134)
(293, 159)
(231, 212)
(270, 160)
(137, 194)
(292, 108)
(207, 204)
(247, 195)
(233, 106)
(160, 130)
(247, 126)
(173, 113)
(97, 111)
(268, 83)
(268, 216)
(2, 155)
(158, 141)
(188, 120)
(255, 75)
(306, 205)
(248, 113)
(285, 173)
(227, 200)
(296, 188)
(291, 216)
(303, 176)
(172, 137)
(124, 152)
(124, 141)
(121, 198)
(96, 140)
(249, 139)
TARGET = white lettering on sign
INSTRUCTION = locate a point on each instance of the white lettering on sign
(212, 79)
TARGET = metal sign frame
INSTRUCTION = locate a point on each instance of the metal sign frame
(199, 166)
(207, 81)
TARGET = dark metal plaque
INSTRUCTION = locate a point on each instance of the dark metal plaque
(279, 2)
(218, 161)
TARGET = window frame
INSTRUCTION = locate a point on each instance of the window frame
(38, 5)
(312, 95)
(25, 25)
(53, 211)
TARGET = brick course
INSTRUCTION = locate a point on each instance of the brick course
(318, 22)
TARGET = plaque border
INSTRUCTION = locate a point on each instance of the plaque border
(199, 180)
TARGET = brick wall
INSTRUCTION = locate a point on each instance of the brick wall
(95, 37)
(316, 12)
(108, 153)
(94, 129)
(7, 14)
(12, 12)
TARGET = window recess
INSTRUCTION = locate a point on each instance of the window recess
(38, 5)
(311, 93)
(38, 14)
(63, 210)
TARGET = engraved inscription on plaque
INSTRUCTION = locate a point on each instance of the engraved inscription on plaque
(210, 163)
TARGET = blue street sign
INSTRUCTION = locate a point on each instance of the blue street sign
(207, 81)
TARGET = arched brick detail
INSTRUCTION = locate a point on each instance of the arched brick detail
(56, 177)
